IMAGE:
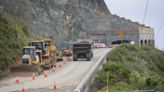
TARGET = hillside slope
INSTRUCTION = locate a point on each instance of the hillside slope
(64, 19)
(13, 35)
(132, 68)
(59, 19)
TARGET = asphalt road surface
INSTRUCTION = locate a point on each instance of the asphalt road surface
(65, 78)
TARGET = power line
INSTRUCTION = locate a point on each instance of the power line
(145, 13)
(160, 28)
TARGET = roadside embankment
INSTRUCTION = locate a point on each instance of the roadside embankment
(131, 68)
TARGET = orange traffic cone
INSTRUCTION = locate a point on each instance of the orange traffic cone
(54, 86)
(45, 74)
(60, 65)
(23, 89)
(17, 80)
(64, 62)
(33, 76)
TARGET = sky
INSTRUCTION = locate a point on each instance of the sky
(134, 10)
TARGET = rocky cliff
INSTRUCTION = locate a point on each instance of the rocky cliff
(64, 19)
(58, 19)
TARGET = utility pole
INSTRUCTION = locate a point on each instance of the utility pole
(107, 81)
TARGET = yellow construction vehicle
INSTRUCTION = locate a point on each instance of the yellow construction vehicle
(45, 45)
(29, 56)
(53, 49)
(59, 56)
(40, 45)
(49, 44)
(32, 58)
(48, 51)
(39, 55)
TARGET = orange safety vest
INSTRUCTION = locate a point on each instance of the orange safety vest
(68, 52)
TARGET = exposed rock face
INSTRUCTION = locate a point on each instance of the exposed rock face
(113, 22)
(59, 19)
(65, 19)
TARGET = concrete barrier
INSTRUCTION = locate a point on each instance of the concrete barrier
(89, 78)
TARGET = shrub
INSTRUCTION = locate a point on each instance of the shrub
(13, 35)
(134, 68)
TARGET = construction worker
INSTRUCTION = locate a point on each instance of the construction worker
(68, 54)
(53, 56)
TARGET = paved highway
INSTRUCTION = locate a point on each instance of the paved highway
(66, 77)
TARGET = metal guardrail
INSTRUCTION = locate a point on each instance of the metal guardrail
(89, 78)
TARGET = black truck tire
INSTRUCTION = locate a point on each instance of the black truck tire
(88, 57)
(74, 59)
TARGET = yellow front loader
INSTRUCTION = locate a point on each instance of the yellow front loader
(48, 51)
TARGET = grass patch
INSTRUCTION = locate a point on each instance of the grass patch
(132, 68)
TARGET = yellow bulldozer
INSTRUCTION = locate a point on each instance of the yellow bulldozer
(32, 58)
(39, 55)
(48, 51)
(52, 50)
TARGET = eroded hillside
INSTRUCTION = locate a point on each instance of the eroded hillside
(59, 19)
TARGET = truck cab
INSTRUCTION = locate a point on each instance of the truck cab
(82, 50)
(30, 56)
(40, 45)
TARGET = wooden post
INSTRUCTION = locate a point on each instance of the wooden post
(107, 81)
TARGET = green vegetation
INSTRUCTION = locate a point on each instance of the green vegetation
(13, 35)
(132, 68)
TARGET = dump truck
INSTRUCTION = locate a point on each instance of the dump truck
(82, 49)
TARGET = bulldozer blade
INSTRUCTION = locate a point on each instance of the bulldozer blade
(26, 69)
